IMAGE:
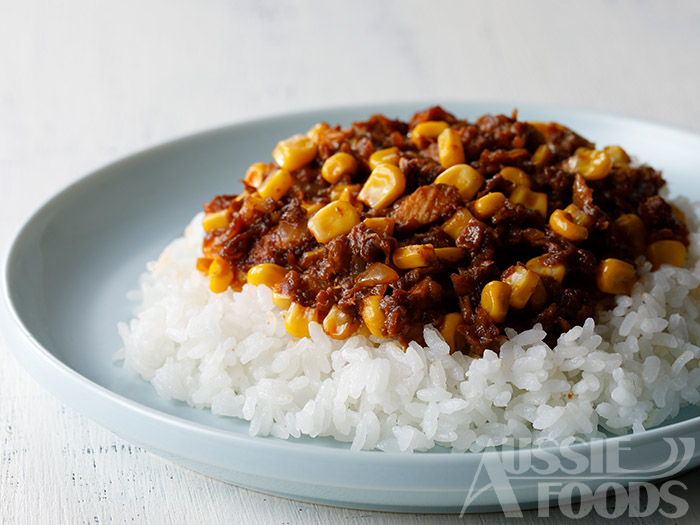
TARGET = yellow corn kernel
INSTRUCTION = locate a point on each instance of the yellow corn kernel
(413, 256)
(618, 156)
(255, 175)
(384, 156)
(463, 177)
(338, 165)
(448, 329)
(630, 231)
(336, 218)
(281, 301)
(615, 277)
(295, 152)
(267, 273)
(522, 282)
(666, 252)
(564, 224)
(344, 192)
(544, 268)
(429, 129)
(532, 200)
(449, 254)
(494, 299)
(297, 320)
(380, 225)
(203, 264)
(450, 148)
(542, 155)
(216, 220)
(311, 207)
(455, 224)
(385, 184)
(539, 297)
(372, 314)
(339, 325)
(591, 164)
(276, 185)
(317, 132)
(516, 176)
(220, 275)
(579, 216)
(487, 205)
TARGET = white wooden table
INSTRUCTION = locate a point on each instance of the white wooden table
(83, 83)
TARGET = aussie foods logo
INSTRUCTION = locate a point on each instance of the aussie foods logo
(607, 477)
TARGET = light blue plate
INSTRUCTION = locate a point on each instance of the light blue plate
(67, 272)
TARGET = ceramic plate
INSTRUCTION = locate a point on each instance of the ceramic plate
(71, 264)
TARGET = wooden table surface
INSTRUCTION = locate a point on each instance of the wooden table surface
(83, 83)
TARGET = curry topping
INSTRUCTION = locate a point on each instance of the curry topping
(385, 226)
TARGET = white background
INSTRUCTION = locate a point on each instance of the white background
(83, 83)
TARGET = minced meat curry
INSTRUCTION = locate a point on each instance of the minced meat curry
(385, 226)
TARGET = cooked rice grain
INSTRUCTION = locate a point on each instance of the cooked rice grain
(632, 370)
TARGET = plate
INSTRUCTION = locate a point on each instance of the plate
(67, 271)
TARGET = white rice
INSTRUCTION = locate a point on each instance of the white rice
(633, 369)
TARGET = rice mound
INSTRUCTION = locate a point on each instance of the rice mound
(632, 370)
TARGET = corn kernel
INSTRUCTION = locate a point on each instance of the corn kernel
(629, 230)
(564, 224)
(372, 314)
(295, 152)
(544, 268)
(281, 301)
(539, 297)
(522, 282)
(455, 224)
(449, 254)
(615, 277)
(494, 299)
(618, 156)
(487, 205)
(448, 329)
(216, 220)
(463, 177)
(203, 264)
(384, 156)
(345, 192)
(414, 256)
(276, 185)
(336, 218)
(516, 176)
(666, 252)
(385, 184)
(297, 320)
(255, 175)
(450, 148)
(220, 275)
(317, 131)
(532, 200)
(338, 165)
(542, 155)
(590, 163)
(267, 274)
(380, 225)
(430, 129)
(311, 207)
(339, 325)
(579, 216)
